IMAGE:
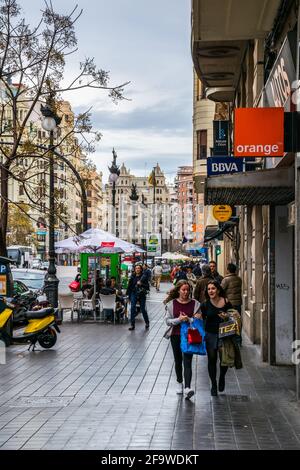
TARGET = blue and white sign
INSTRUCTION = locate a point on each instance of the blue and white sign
(224, 165)
(3, 269)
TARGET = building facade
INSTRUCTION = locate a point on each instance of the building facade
(255, 66)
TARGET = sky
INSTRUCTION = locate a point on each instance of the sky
(147, 43)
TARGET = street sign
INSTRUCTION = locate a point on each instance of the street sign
(220, 137)
(153, 244)
(224, 165)
(41, 232)
(222, 213)
(258, 132)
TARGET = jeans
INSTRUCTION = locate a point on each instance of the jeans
(212, 356)
(180, 357)
(142, 300)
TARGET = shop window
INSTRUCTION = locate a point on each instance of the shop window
(201, 144)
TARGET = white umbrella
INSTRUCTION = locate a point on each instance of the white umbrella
(94, 240)
(175, 256)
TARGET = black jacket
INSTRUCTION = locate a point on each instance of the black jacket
(133, 288)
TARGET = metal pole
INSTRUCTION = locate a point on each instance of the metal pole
(114, 207)
(297, 224)
(51, 281)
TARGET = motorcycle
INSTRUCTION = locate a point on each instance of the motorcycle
(39, 326)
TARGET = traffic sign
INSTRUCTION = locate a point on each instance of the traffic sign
(222, 213)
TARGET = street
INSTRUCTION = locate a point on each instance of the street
(104, 387)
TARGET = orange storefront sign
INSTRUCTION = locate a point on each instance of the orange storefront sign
(258, 132)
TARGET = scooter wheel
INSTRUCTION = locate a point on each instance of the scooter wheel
(48, 338)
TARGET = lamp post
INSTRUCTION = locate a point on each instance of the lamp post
(113, 178)
(134, 198)
(160, 224)
(49, 123)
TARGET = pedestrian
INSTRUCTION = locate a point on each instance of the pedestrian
(232, 285)
(148, 272)
(199, 292)
(138, 287)
(157, 273)
(174, 271)
(214, 273)
(180, 275)
(191, 278)
(181, 308)
(197, 271)
(213, 313)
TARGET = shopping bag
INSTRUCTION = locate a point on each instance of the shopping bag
(74, 286)
(194, 337)
(192, 348)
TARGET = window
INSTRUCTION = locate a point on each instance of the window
(89, 214)
(89, 193)
(21, 190)
(201, 144)
(200, 90)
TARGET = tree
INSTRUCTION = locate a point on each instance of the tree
(32, 64)
(20, 225)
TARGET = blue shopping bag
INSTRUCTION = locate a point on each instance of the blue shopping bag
(192, 348)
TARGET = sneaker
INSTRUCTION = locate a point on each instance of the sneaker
(179, 388)
(131, 328)
(214, 391)
(147, 326)
(188, 393)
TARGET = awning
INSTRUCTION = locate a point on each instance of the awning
(261, 187)
(220, 34)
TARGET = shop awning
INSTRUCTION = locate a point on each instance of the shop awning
(220, 34)
(261, 187)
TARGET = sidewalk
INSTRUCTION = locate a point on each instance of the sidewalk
(104, 387)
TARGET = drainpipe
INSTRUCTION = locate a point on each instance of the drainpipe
(297, 225)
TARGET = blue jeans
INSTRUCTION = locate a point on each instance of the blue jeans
(142, 300)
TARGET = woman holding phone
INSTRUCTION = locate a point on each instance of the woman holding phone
(181, 308)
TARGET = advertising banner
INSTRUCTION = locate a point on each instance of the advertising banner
(153, 241)
(258, 132)
(224, 165)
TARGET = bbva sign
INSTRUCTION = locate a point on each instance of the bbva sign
(223, 165)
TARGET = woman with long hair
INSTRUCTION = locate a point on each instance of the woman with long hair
(213, 312)
(181, 308)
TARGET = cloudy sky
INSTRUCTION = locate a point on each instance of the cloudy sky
(147, 43)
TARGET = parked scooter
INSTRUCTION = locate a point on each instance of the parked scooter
(40, 326)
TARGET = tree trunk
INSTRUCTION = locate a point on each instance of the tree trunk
(4, 211)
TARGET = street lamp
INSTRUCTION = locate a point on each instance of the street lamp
(160, 224)
(113, 178)
(49, 123)
(134, 198)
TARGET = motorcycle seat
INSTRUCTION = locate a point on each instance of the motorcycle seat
(36, 314)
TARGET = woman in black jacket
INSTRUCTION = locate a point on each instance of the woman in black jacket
(137, 290)
(213, 312)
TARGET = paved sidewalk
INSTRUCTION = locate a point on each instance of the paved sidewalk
(104, 387)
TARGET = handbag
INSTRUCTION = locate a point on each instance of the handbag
(74, 286)
(168, 332)
(192, 348)
(194, 337)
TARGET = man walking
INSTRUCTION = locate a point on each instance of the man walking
(214, 273)
(199, 292)
(157, 273)
(232, 285)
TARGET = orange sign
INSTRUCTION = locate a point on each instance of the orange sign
(258, 132)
